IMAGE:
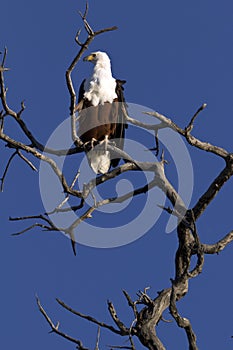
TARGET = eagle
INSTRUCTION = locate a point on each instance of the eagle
(101, 113)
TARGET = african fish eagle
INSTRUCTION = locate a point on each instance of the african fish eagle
(101, 113)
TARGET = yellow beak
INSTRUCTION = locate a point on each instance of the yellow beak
(88, 58)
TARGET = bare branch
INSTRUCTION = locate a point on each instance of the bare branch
(4, 57)
(36, 224)
(219, 246)
(3, 90)
(193, 141)
(105, 30)
(97, 339)
(146, 126)
(160, 181)
(22, 109)
(77, 38)
(2, 179)
(143, 298)
(49, 227)
(132, 342)
(214, 188)
(131, 303)
(120, 199)
(198, 249)
(17, 116)
(182, 322)
(51, 162)
(120, 347)
(89, 318)
(123, 329)
(174, 212)
(86, 10)
(55, 328)
(84, 18)
(27, 161)
(59, 207)
(191, 123)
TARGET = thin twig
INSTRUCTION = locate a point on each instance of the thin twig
(55, 328)
(131, 303)
(89, 318)
(124, 330)
(97, 339)
(143, 298)
(49, 227)
(191, 123)
(74, 208)
(4, 57)
(68, 209)
(106, 201)
(27, 161)
(2, 179)
(120, 347)
(205, 146)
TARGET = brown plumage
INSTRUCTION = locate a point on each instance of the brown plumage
(102, 121)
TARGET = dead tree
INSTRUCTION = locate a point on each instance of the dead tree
(146, 318)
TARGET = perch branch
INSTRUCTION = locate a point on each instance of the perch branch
(106, 201)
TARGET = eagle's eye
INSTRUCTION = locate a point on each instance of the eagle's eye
(94, 55)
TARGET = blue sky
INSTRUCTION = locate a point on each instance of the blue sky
(175, 56)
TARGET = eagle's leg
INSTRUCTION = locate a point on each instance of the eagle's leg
(89, 144)
(106, 143)
(93, 140)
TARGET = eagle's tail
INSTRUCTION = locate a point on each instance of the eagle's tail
(99, 160)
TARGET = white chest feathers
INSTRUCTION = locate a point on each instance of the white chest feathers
(100, 87)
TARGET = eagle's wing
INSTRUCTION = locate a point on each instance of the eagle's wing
(107, 119)
(120, 117)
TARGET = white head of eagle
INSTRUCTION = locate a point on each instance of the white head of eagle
(102, 110)
(101, 86)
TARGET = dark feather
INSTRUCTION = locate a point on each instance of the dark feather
(108, 119)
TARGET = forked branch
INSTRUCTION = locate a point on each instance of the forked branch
(55, 328)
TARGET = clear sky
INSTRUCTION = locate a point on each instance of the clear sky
(174, 55)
